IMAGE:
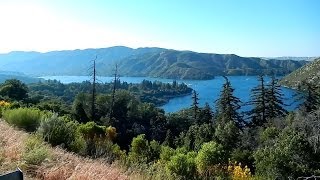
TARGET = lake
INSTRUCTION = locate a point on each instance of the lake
(209, 90)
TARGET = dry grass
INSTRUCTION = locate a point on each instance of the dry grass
(62, 165)
(11, 146)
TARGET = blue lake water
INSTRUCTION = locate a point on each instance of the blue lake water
(209, 90)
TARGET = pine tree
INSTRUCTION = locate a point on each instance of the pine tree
(195, 106)
(311, 97)
(228, 106)
(259, 102)
(205, 114)
(169, 140)
(274, 106)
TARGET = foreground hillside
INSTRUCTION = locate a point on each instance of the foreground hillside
(60, 165)
(270, 143)
(309, 73)
(151, 62)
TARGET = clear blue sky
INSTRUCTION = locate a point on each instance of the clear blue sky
(243, 27)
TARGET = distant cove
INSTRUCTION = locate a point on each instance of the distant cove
(209, 90)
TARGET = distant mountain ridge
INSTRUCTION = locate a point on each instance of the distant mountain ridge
(4, 75)
(292, 58)
(308, 73)
(151, 62)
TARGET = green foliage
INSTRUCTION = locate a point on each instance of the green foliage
(183, 165)
(308, 124)
(14, 89)
(275, 105)
(142, 151)
(101, 147)
(269, 133)
(243, 156)
(139, 149)
(310, 96)
(227, 135)
(36, 151)
(150, 92)
(61, 131)
(54, 105)
(259, 102)
(228, 106)
(205, 114)
(267, 102)
(210, 154)
(166, 153)
(154, 150)
(290, 155)
(26, 118)
(308, 73)
(195, 106)
(91, 130)
(196, 136)
(81, 108)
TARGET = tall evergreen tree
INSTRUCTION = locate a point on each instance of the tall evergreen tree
(195, 106)
(259, 102)
(274, 99)
(228, 106)
(310, 96)
(205, 114)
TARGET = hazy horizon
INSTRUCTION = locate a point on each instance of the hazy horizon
(153, 47)
(247, 28)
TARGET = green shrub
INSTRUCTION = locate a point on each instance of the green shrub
(36, 151)
(139, 150)
(61, 131)
(166, 153)
(210, 154)
(143, 151)
(91, 130)
(290, 156)
(28, 119)
(183, 165)
(102, 147)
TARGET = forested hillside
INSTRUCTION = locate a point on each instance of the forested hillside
(151, 62)
(309, 73)
(192, 65)
(265, 142)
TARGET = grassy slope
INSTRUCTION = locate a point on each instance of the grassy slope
(61, 165)
(309, 73)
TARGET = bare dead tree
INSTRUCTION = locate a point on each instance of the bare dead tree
(93, 103)
(116, 78)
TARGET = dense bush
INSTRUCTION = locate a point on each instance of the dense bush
(36, 151)
(142, 151)
(28, 119)
(183, 165)
(209, 155)
(91, 130)
(290, 155)
(61, 131)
